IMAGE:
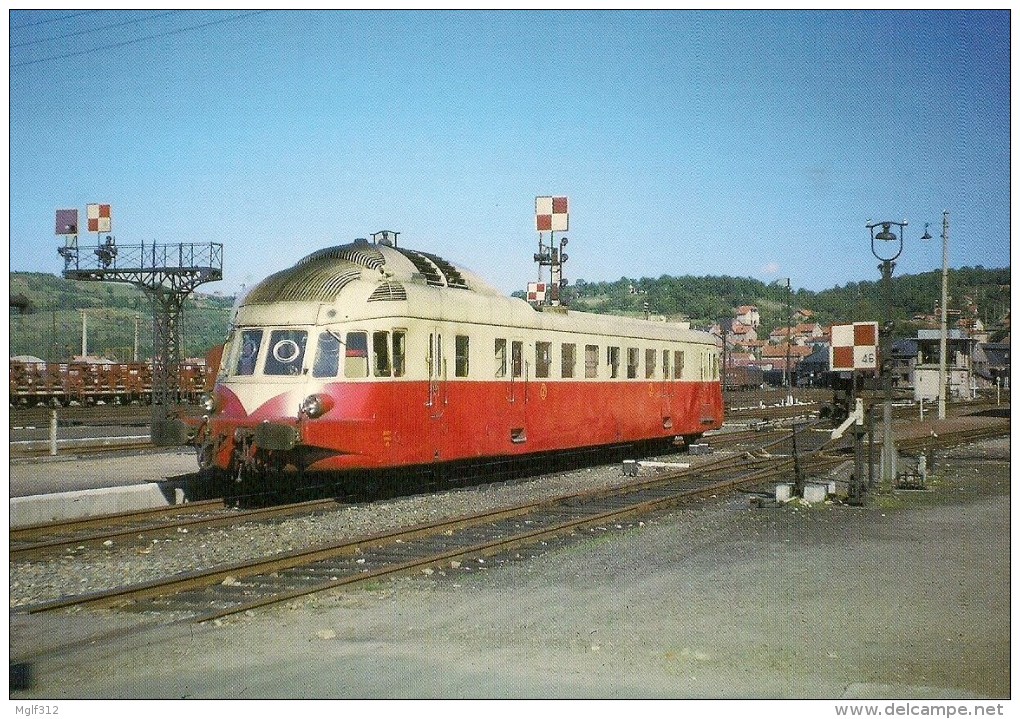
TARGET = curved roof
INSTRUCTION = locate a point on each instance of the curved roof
(321, 276)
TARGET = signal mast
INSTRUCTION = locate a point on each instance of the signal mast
(551, 216)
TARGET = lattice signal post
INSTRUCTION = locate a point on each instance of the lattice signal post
(167, 273)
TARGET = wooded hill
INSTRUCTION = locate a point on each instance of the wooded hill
(45, 318)
(704, 300)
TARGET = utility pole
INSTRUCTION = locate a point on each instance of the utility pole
(135, 355)
(84, 336)
(789, 341)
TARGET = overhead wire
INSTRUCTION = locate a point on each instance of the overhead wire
(134, 41)
(52, 19)
(86, 31)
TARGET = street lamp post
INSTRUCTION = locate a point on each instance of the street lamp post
(888, 257)
(943, 330)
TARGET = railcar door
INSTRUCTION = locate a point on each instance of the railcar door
(510, 370)
(436, 400)
(666, 390)
(437, 395)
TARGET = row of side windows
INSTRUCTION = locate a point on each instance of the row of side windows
(359, 354)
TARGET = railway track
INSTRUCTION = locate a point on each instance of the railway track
(36, 540)
(227, 589)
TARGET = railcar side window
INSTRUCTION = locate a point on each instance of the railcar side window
(543, 358)
(251, 341)
(381, 353)
(356, 355)
(649, 364)
(613, 360)
(591, 360)
(678, 364)
(633, 357)
(460, 357)
(327, 356)
(286, 352)
(500, 358)
(399, 352)
(568, 359)
(517, 358)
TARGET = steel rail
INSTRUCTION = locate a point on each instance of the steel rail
(230, 518)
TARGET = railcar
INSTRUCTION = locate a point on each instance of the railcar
(370, 356)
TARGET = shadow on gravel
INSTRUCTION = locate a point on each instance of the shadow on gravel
(1002, 412)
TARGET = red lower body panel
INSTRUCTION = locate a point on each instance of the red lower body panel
(392, 424)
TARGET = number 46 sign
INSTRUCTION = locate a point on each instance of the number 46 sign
(854, 347)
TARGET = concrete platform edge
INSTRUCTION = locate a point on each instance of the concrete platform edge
(86, 503)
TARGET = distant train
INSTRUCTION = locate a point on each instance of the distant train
(61, 383)
(369, 356)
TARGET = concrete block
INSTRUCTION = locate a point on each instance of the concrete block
(700, 448)
(64, 506)
(784, 492)
(814, 492)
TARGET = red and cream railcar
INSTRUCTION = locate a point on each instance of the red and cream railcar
(371, 356)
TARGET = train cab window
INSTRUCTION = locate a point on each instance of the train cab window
(460, 355)
(568, 359)
(591, 360)
(356, 355)
(543, 358)
(613, 360)
(517, 358)
(327, 356)
(633, 357)
(665, 364)
(650, 364)
(381, 354)
(678, 364)
(251, 341)
(399, 352)
(500, 358)
(286, 352)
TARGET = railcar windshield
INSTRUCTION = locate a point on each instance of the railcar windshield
(251, 341)
(286, 352)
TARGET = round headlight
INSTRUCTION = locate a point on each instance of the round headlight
(209, 403)
(316, 405)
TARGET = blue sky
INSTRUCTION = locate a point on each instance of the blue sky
(754, 144)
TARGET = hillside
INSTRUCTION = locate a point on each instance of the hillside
(706, 299)
(51, 328)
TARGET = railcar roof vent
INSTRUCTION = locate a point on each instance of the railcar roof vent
(437, 271)
(360, 253)
(388, 292)
(317, 282)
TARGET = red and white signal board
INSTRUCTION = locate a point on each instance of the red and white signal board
(551, 214)
(854, 347)
(98, 218)
(536, 292)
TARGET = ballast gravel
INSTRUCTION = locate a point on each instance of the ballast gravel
(89, 569)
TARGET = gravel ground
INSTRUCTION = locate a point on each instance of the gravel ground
(905, 598)
(83, 570)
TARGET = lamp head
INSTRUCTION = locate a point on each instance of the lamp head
(926, 236)
(885, 235)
